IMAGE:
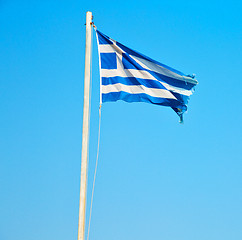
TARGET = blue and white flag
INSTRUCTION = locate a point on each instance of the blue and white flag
(132, 77)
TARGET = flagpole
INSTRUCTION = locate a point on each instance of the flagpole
(85, 128)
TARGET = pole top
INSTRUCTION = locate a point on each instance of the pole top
(89, 15)
(89, 18)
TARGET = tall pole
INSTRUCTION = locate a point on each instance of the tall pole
(85, 128)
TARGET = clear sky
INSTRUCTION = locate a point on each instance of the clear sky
(156, 179)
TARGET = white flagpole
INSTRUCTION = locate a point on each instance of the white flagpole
(85, 128)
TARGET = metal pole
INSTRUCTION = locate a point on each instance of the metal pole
(85, 128)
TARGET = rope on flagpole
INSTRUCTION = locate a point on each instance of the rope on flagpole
(95, 173)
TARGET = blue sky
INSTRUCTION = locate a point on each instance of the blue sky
(156, 178)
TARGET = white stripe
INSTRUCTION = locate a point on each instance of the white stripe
(156, 68)
(154, 92)
(126, 73)
(177, 90)
(106, 48)
(120, 66)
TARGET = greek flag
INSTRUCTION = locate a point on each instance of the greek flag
(132, 77)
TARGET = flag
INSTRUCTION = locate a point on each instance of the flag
(133, 77)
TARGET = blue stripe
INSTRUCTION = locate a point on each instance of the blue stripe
(103, 39)
(132, 81)
(172, 81)
(127, 97)
(182, 98)
(130, 63)
(140, 55)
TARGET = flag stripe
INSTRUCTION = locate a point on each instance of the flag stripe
(132, 81)
(106, 48)
(134, 53)
(137, 89)
(126, 73)
(142, 97)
